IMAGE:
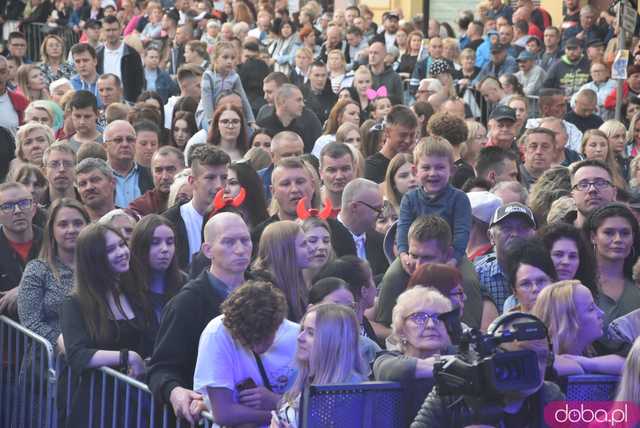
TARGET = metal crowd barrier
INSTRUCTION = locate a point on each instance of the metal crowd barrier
(36, 389)
(36, 32)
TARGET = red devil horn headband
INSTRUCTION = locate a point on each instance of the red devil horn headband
(220, 202)
(304, 213)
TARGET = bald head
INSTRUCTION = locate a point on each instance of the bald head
(120, 140)
(286, 144)
(219, 222)
(227, 243)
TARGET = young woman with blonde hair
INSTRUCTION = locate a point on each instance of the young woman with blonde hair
(31, 82)
(327, 353)
(574, 322)
(282, 255)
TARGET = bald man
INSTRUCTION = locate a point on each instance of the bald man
(132, 180)
(228, 245)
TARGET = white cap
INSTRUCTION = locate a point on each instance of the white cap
(483, 205)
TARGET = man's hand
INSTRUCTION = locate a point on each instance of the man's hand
(186, 404)
(408, 264)
(9, 301)
(259, 398)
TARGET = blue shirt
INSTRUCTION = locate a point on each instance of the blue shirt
(493, 279)
(127, 188)
(80, 85)
(451, 204)
(151, 76)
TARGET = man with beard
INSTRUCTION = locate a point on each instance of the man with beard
(96, 185)
(290, 182)
(228, 245)
(509, 223)
(209, 174)
(132, 180)
(591, 187)
(59, 160)
(20, 241)
(165, 164)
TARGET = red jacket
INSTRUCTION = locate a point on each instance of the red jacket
(19, 103)
(610, 101)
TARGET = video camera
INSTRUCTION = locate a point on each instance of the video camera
(482, 371)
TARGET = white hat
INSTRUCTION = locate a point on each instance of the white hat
(483, 205)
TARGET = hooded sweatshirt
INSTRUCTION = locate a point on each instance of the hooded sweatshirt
(568, 76)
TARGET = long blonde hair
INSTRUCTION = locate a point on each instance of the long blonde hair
(277, 255)
(335, 356)
(610, 160)
(557, 310)
(629, 386)
(22, 78)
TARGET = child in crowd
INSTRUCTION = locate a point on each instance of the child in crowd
(433, 166)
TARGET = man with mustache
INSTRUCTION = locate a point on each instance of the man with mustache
(209, 174)
(20, 241)
(228, 245)
(591, 187)
(132, 180)
(96, 185)
(166, 162)
(59, 161)
(539, 146)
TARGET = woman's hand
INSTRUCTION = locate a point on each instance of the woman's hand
(60, 344)
(136, 365)
(259, 398)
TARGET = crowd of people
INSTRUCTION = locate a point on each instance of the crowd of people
(233, 200)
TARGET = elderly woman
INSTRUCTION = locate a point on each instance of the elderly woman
(574, 322)
(32, 140)
(421, 337)
(123, 220)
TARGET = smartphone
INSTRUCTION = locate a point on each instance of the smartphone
(248, 383)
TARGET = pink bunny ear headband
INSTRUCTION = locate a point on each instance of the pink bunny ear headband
(381, 92)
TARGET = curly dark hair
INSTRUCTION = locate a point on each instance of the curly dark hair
(254, 312)
(448, 126)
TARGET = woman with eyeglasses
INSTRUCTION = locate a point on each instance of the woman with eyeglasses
(228, 131)
(419, 337)
(529, 269)
(613, 232)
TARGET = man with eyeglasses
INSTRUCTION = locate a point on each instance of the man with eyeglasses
(430, 241)
(539, 145)
(510, 223)
(59, 161)
(361, 206)
(591, 187)
(20, 241)
(132, 180)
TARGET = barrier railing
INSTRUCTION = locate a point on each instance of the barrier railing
(27, 377)
(36, 32)
(36, 389)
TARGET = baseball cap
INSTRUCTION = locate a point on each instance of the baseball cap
(513, 209)
(525, 55)
(595, 41)
(497, 47)
(572, 42)
(484, 205)
(391, 15)
(502, 111)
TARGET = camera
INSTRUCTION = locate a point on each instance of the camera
(481, 370)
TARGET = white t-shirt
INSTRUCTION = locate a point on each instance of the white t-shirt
(113, 61)
(193, 223)
(8, 116)
(224, 363)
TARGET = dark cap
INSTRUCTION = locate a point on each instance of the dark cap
(595, 41)
(572, 42)
(503, 112)
(512, 209)
(251, 46)
(173, 14)
(391, 15)
(498, 47)
(93, 23)
(525, 55)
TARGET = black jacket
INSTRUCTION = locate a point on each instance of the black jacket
(131, 70)
(182, 237)
(321, 103)
(11, 266)
(145, 179)
(454, 412)
(176, 349)
(375, 252)
(307, 126)
(252, 72)
(341, 239)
